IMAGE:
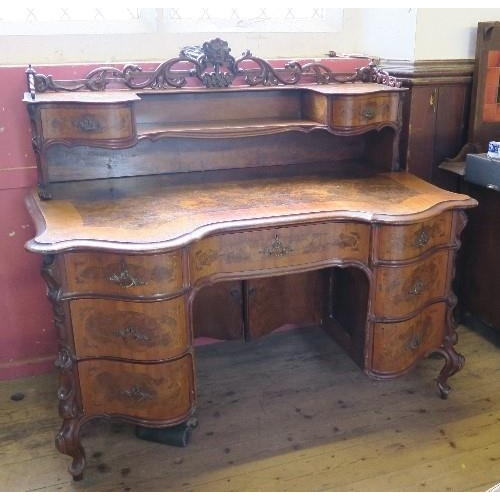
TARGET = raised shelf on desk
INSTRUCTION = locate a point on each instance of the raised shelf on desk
(227, 128)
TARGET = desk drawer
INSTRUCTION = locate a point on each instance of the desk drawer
(362, 110)
(400, 290)
(396, 346)
(411, 240)
(130, 330)
(91, 122)
(279, 248)
(163, 391)
(89, 273)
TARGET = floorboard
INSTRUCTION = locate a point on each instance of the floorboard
(290, 412)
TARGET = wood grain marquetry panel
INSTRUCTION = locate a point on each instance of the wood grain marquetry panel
(123, 275)
(360, 111)
(159, 391)
(131, 330)
(87, 122)
(283, 247)
(409, 241)
(400, 290)
(396, 346)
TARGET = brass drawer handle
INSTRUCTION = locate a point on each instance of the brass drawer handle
(131, 332)
(417, 288)
(414, 343)
(87, 124)
(137, 394)
(368, 113)
(125, 279)
(422, 239)
(277, 248)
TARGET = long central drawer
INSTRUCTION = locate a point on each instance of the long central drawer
(280, 247)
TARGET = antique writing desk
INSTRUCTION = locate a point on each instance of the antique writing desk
(149, 193)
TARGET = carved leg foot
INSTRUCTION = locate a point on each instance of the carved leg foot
(68, 442)
(454, 362)
(44, 193)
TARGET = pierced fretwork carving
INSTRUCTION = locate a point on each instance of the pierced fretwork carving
(212, 65)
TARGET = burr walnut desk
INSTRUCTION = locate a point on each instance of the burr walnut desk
(149, 193)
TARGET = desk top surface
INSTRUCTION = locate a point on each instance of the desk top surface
(162, 212)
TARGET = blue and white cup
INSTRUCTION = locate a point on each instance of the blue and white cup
(494, 150)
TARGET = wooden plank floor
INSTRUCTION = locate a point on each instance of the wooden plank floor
(287, 413)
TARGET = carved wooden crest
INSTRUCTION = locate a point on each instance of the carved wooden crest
(213, 66)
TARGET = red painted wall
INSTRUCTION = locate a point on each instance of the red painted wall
(27, 334)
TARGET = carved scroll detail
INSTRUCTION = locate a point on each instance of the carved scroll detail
(68, 438)
(212, 65)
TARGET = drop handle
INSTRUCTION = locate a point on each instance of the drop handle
(414, 343)
(137, 394)
(125, 279)
(277, 248)
(422, 239)
(368, 113)
(417, 288)
(131, 332)
(87, 124)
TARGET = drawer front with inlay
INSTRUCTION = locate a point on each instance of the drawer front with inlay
(279, 247)
(400, 290)
(362, 111)
(123, 275)
(88, 123)
(396, 346)
(159, 391)
(131, 330)
(411, 240)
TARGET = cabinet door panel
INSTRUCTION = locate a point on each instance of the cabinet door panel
(421, 131)
(218, 311)
(293, 299)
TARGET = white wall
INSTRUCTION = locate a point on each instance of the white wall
(403, 33)
(449, 33)
(387, 33)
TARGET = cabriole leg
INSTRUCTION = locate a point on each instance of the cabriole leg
(454, 362)
(68, 442)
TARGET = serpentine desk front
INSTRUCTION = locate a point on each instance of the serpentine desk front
(147, 196)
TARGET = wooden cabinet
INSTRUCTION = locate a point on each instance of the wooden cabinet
(258, 189)
(436, 115)
(479, 270)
